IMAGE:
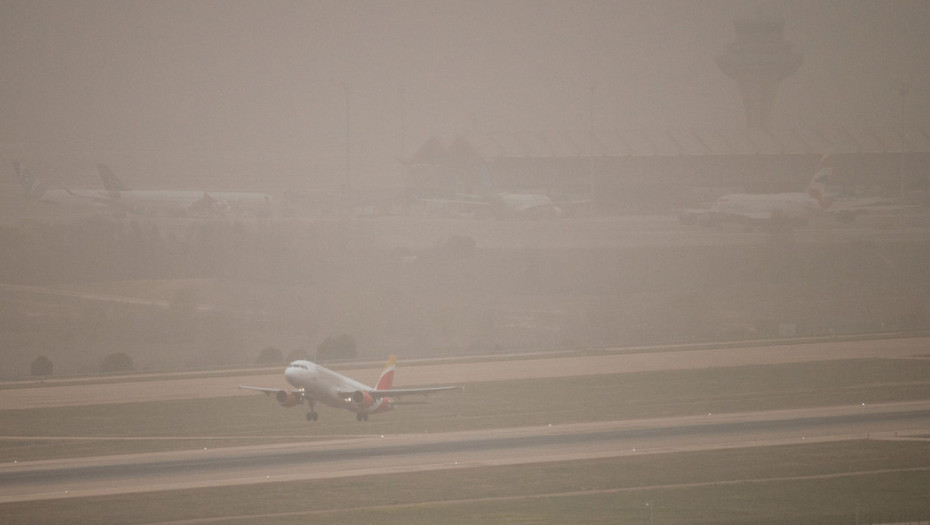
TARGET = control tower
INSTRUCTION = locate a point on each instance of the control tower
(758, 59)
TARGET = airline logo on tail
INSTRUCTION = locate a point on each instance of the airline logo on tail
(110, 181)
(387, 375)
(818, 188)
(32, 187)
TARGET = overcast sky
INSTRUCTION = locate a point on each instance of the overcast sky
(268, 78)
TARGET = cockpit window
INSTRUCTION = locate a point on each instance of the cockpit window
(296, 364)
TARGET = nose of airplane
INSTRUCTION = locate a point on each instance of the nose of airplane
(300, 374)
(290, 374)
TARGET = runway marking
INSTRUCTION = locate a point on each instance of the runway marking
(569, 494)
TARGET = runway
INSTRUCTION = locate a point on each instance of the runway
(89, 476)
(139, 389)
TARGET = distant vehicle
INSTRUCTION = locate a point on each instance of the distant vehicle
(783, 210)
(314, 383)
(186, 203)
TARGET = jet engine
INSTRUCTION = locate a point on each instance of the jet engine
(361, 399)
(287, 399)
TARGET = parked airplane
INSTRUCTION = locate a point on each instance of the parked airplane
(183, 202)
(846, 207)
(35, 190)
(499, 205)
(530, 205)
(772, 209)
(503, 204)
(315, 383)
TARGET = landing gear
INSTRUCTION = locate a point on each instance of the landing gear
(361, 417)
(312, 415)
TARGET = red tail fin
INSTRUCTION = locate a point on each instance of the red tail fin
(387, 375)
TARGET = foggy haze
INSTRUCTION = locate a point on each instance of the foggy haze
(676, 250)
(265, 83)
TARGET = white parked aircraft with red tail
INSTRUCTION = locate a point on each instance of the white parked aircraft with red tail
(774, 209)
(313, 383)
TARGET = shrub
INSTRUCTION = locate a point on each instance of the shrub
(118, 362)
(270, 356)
(41, 366)
(300, 353)
(339, 347)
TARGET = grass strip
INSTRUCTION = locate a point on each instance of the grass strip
(811, 483)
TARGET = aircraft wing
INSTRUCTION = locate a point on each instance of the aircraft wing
(265, 390)
(871, 205)
(454, 202)
(397, 392)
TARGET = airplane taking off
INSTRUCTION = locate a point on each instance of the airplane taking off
(314, 383)
(183, 202)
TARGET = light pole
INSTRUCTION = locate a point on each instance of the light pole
(591, 142)
(344, 205)
(903, 89)
(402, 91)
(348, 181)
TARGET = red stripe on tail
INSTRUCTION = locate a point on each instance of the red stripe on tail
(387, 375)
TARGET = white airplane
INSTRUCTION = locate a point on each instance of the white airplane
(183, 202)
(773, 209)
(34, 190)
(498, 205)
(503, 204)
(846, 207)
(530, 205)
(314, 383)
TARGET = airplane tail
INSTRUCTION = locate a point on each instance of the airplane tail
(110, 181)
(32, 187)
(387, 375)
(486, 178)
(818, 187)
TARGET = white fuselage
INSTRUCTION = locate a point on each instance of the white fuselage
(328, 387)
(73, 197)
(792, 206)
(526, 205)
(178, 202)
